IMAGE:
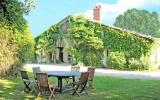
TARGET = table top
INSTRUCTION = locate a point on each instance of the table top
(63, 73)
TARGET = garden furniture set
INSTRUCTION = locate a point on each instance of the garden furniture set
(42, 84)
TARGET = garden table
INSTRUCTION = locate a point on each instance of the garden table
(63, 74)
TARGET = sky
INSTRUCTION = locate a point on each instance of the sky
(49, 12)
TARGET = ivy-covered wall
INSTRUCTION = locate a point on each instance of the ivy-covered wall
(87, 41)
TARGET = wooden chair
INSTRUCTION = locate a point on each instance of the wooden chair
(44, 85)
(35, 70)
(73, 68)
(91, 76)
(80, 85)
(27, 82)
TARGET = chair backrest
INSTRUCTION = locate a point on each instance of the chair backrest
(91, 73)
(84, 77)
(36, 70)
(42, 80)
(75, 68)
(24, 75)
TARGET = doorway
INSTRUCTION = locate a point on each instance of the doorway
(60, 53)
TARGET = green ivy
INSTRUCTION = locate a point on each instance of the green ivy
(121, 41)
(87, 39)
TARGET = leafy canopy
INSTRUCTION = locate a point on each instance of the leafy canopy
(140, 21)
(17, 44)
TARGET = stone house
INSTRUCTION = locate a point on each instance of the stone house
(63, 56)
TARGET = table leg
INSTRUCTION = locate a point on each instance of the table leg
(60, 83)
(73, 79)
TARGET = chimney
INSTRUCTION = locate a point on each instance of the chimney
(96, 13)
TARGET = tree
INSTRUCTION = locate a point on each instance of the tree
(140, 21)
(16, 41)
(12, 11)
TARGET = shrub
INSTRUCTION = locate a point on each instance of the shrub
(142, 64)
(15, 49)
(116, 60)
(7, 50)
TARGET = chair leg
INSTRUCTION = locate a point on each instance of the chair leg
(27, 86)
(67, 80)
(90, 84)
(83, 88)
(75, 91)
(40, 92)
(85, 91)
(52, 92)
(33, 87)
(51, 95)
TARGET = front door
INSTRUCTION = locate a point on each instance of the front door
(61, 54)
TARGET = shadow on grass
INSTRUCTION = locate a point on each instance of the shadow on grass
(105, 88)
(12, 88)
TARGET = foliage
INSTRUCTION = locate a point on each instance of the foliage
(85, 43)
(25, 44)
(132, 45)
(114, 39)
(139, 64)
(8, 49)
(140, 21)
(123, 41)
(11, 11)
(46, 42)
(116, 60)
(17, 44)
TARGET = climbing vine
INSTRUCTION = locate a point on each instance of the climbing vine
(86, 40)
(122, 41)
(46, 42)
(113, 39)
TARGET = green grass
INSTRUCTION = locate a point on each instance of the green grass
(105, 88)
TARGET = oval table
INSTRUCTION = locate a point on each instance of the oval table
(63, 74)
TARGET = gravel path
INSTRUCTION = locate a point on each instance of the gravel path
(100, 72)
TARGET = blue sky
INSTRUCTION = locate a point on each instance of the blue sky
(49, 12)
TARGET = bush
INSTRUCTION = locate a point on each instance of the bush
(15, 49)
(7, 50)
(116, 60)
(142, 64)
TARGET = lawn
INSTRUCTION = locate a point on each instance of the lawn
(105, 88)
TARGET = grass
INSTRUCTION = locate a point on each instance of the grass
(105, 88)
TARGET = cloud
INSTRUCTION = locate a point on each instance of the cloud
(110, 11)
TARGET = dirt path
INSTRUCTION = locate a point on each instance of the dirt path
(100, 72)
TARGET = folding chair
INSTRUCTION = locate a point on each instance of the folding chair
(27, 82)
(91, 76)
(36, 70)
(80, 85)
(44, 85)
(73, 68)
